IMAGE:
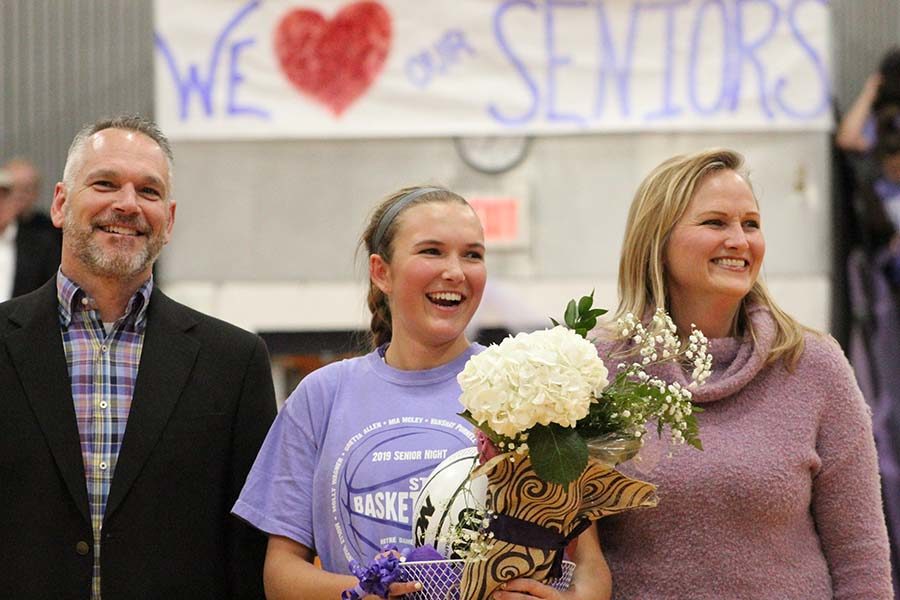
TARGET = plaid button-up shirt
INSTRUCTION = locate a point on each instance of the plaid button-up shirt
(103, 366)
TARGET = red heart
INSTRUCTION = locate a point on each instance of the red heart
(334, 61)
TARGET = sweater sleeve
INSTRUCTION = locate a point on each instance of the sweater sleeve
(846, 503)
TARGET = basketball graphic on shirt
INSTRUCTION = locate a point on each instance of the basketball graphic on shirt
(448, 498)
(380, 475)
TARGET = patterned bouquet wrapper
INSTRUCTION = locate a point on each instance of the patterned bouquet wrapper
(532, 521)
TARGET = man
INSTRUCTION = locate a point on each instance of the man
(29, 243)
(26, 191)
(128, 422)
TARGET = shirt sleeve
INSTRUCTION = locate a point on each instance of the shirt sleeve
(846, 502)
(278, 496)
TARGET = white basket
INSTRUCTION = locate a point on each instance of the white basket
(440, 578)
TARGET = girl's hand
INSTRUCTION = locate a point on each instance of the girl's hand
(398, 590)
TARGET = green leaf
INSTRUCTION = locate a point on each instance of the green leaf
(585, 304)
(490, 433)
(558, 454)
(571, 311)
(596, 312)
(468, 417)
(554, 321)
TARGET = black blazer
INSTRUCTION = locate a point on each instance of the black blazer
(203, 402)
(38, 248)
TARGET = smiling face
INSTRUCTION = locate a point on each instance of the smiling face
(716, 249)
(436, 275)
(114, 210)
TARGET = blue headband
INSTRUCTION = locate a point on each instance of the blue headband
(390, 214)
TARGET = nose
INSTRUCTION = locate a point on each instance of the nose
(126, 200)
(453, 270)
(737, 237)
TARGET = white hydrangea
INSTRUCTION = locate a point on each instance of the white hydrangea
(549, 376)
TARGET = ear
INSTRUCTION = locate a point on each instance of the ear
(171, 222)
(380, 272)
(57, 207)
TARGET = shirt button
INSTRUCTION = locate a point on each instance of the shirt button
(104, 348)
(84, 301)
(103, 404)
(103, 466)
(82, 548)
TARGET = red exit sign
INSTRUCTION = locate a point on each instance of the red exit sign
(503, 219)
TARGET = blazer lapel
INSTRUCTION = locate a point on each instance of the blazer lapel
(167, 359)
(37, 353)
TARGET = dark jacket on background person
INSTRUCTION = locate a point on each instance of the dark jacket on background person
(38, 249)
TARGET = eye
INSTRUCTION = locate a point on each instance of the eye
(475, 255)
(751, 224)
(431, 251)
(104, 184)
(713, 222)
(152, 192)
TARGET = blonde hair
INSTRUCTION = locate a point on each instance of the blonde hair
(378, 238)
(659, 203)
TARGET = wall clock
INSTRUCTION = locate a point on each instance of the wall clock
(493, 154)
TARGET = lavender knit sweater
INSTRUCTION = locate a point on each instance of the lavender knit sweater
(783, 503)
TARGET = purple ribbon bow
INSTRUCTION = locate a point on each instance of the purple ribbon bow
(377, 576)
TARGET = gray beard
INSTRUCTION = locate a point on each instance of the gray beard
(106, 263)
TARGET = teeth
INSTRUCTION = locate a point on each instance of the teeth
(119, 230)
(448, 296)
(730, 262)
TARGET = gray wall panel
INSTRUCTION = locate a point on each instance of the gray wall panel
(64, 63)
(863, 30)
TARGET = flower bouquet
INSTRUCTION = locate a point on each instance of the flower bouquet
(557, 426)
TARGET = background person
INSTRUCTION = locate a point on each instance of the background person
(858, 130)
(339, 472)
(30, 245)
(784, 500)
(128, 422)
(26, 192)
(879, 207)
(8, 233)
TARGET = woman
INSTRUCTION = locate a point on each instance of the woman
(784, 500)
(339, 472)
(864, 122)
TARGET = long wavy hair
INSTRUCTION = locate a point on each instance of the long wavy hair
(659, 203)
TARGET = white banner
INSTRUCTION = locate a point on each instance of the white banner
(390, 68)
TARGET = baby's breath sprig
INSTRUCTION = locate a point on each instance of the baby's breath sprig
(658, 342)
(469, 538)
(634, 397)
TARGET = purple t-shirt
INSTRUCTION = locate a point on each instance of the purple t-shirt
(347, 455)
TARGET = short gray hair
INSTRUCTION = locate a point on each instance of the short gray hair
(128, 122)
